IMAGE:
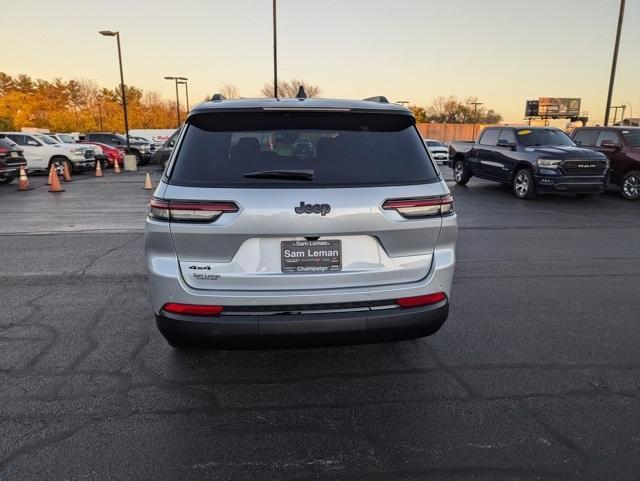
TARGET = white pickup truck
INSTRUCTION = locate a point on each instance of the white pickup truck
(41, 152)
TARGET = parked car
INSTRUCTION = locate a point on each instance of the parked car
(63, 138)
(41, 151)
(110, 155)
(533, 160)
(437, 150)
(136, 138)
(161, 156)
(621, 145)
(11, 160)
(142, 150)
(247, 241)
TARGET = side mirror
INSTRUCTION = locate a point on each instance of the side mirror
(611, 144)
(171, 143)
(506, 144)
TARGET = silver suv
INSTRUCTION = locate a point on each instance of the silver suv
(288, 220)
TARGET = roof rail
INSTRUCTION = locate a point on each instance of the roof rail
(218, 97)
(379, 98)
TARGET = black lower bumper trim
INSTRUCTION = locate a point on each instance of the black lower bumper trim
(303, 329)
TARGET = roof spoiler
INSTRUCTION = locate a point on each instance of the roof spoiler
(218, 98)
(381, 99)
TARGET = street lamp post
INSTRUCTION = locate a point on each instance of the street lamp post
(175, 79)
(630, 110)
(109, 33)
(186, 90)
(475, 118)
(613, 64)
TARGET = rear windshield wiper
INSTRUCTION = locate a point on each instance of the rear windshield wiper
(281, 174)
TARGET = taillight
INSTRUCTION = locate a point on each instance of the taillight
(421, 207)
(418, 301)
(179, 211)
(192, 309)
(3, 151)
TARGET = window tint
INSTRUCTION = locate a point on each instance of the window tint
(507, 135)
(489, 137)
(607, 135)
(539, 137)
(586, 137)
(18, 139)
(340, 149)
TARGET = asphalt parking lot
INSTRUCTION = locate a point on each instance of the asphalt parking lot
(535, 376)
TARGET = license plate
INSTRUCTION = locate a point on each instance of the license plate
(311, 256)
(14, 154)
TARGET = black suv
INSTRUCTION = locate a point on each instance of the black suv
(532, 160)
(142, 150)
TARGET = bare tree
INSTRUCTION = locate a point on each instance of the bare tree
(290, 88)
(230, 91)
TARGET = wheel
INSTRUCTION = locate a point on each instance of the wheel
(139, 160)
(59, 164)
(630, 185)
(584, 195)
(104, 164)
(7, 180)
(523, 185)
(461, 173)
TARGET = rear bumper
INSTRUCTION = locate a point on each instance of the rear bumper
(308, 328)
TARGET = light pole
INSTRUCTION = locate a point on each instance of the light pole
(109, 33)
(613, 64)
(275, 54)
(630, 109)
(186, 89)
(402, 102)
(615, 113)
(475, 118)
(176, 79)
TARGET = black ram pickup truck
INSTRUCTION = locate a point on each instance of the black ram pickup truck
(532, 160)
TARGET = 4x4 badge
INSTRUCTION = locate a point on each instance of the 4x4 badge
(322, 209)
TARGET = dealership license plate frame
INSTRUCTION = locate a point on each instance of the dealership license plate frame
(313, 264)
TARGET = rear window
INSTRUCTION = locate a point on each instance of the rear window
(338, 149)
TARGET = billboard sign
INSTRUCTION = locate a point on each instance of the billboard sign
(558, 107)
(531, 109)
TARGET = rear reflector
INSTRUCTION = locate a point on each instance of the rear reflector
(179, 211)
(422, 207)
(419, 301)
(192, 309)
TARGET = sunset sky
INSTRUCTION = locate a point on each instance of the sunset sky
(502, 51)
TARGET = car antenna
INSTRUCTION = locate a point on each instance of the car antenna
(301, 93)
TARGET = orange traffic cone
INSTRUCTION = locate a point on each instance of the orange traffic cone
(49, 178)
(55, 182)
(147, 182)
(66, 175)
(98, 169)
(116, 166)
(23, 184)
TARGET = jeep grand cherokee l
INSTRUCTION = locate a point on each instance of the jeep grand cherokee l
(250, 237)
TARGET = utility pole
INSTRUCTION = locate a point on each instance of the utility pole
(614, 63)
(475, 118)
(402, 102)
(275, 53)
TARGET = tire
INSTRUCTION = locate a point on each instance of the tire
(461, 173)
(7, 180)
(104, 164)
(59, 163)
(523, 185)
(139, 159)
(630, 185)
